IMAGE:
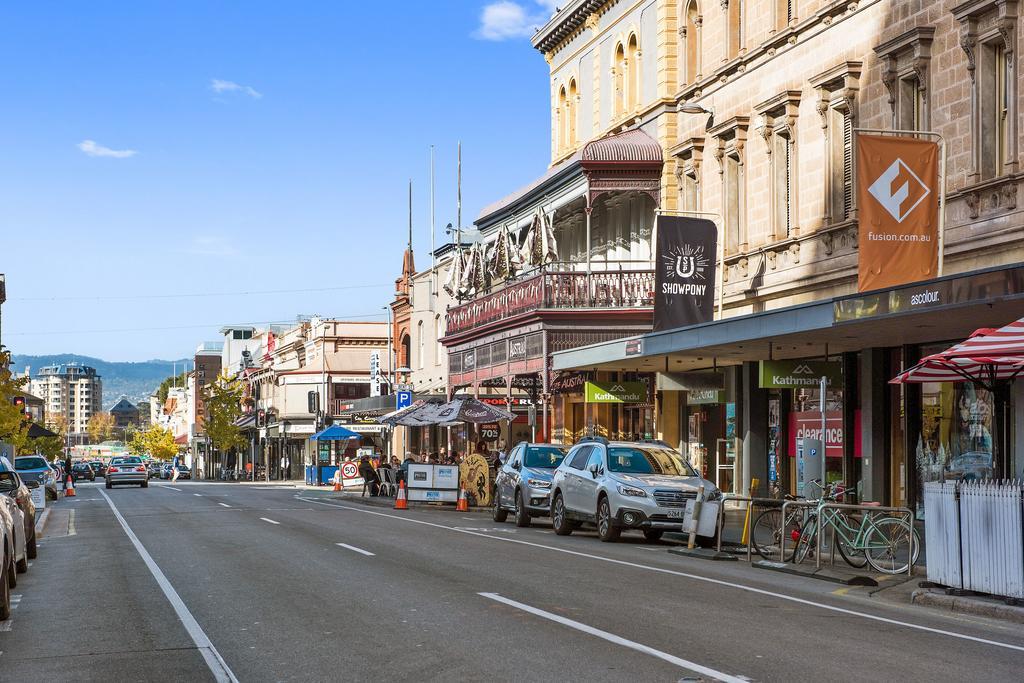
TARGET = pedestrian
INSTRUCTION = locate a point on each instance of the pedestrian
(369, 475)
(174, 469)
(69, 474)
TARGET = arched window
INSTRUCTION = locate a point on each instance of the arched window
(571, 108)
(619, 80)
(690, 36)
(633, 71)
(736, 20)
(421, 342)
(563, 119)
(404, 360)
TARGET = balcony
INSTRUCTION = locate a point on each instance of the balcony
(555, 290)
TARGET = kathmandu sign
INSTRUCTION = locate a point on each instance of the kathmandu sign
(615, 392)
(799, 374)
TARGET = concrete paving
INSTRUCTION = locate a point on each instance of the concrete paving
(291, 584)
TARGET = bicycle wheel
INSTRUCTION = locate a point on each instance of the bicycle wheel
(765, 535)
(854, 556)
(890, 547)
(805, 546)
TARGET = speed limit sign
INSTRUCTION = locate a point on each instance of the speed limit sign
(349, 470)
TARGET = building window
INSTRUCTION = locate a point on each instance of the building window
(783, 14)
(735, 13)
(906, 59)
(619, 81)
(776, 125)
(563, 119)
(571, 103)
(688, 163)
(837, 100)
(633, 71)
(689, 42)
(421, 340)
(988, 36)
(731, 137)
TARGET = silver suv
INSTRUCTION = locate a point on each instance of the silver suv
(620, 485)
(523, 482)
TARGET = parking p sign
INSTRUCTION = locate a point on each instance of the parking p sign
(403, 399)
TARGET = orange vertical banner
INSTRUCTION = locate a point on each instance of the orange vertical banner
(898, 207)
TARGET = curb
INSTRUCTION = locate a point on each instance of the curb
(983, 607)
(822, 575)
(41, 521)
(704, 554)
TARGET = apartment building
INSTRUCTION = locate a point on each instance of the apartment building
(71, 391)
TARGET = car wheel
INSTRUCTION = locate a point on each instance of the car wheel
(5, 594)
(145, 484)
(606, 530)
(559, 522)
(12, 575)
(21, 566)
(30, 548)
(522, 516)
(653, 535)
(497, 514)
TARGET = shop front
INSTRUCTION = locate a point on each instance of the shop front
(882, 440)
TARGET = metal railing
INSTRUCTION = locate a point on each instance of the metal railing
(902, 512)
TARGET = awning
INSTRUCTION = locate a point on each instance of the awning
(246, 421)
(334, 433)
(38, 432)
(181, 440)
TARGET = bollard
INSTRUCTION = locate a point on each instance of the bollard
(696, 518)
(754, 483)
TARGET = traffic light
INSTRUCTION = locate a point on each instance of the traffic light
(19, 402)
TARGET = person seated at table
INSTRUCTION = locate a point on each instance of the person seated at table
(370, 481)
(403, 470)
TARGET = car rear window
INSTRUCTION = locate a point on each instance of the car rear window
(29, 463)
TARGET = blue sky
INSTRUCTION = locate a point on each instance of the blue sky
(181, 147)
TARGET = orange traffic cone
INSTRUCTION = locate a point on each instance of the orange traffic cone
(337, 480)
(463, 504)
(400, 502)
(69, 491)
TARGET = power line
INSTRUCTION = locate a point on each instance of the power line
(135, 297)
(186, 327)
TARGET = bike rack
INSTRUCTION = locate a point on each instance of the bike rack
(905, 513)
(782, 529)
(755, 503)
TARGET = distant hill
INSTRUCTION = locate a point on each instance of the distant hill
(134, 380)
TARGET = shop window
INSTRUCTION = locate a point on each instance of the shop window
(837, 93)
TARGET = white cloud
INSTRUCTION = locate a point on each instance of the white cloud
(220, 86)
(505, 19)
(90, 148)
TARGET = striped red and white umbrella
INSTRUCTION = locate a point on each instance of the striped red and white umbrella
(1006, 341)
(985, 370)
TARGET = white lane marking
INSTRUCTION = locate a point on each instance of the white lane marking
(218, 667)
(198, 495)
(225, 505)
(618, 640)
(695, 577)
(269, 520)
(171, 488)
(355, 549)
(71, 523)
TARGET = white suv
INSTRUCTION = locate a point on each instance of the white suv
(624, 485)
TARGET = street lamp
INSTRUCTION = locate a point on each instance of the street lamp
(695, 108)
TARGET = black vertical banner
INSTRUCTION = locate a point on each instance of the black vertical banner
(684, 277)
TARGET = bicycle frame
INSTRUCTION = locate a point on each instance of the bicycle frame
(867, 523)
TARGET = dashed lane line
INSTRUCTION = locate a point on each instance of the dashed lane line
(269, 521)
(224, 505)
(71, 523)
(198, 495)
(687, 575)
(218, 667)
(171, 488)
(618, 640)
(355, 549)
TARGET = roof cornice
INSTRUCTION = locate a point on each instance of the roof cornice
(563, 22)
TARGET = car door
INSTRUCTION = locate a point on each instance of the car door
(510, 475)
(589, 481)
(573, 476)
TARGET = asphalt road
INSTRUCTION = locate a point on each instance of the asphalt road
(230, 581)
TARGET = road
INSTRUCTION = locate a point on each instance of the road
(237, 582)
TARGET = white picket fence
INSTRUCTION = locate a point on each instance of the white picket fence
(985, 551)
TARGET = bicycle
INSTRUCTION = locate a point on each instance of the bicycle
(767, 534)
(882, 542)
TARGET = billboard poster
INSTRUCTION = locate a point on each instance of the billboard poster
(898, 205)
(684, 279)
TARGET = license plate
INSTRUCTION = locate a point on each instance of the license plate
(676, 514)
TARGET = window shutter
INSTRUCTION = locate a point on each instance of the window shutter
(789, 185)
(847, 165)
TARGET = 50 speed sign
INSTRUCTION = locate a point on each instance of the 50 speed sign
(349, 470)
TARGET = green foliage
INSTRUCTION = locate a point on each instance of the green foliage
(156, 441)
(222, 400)
(50, 447)
(173, 381)
(100, 427)
(13, 425)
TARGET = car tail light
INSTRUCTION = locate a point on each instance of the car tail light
(140, 468)
(112, 469)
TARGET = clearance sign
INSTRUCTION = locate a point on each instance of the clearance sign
(898, 202)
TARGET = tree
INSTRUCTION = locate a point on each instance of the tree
(222, 400)
(50, 447)
(174, 380)
(100, 427)
(58, 424)
(13, 425)
(156, 442)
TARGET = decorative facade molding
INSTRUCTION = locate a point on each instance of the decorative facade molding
(837, 89)
(907, 53)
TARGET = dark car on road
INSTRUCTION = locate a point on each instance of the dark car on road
(83, 470)
(99, 468)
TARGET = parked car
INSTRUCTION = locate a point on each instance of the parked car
(153, 469)
(619, 485)
(18, 490)
(99, 468)
(184, 472)
(127, 469)
(165, 470)
(35, 468)
(523, 483)
(83, 470)
(12, 527)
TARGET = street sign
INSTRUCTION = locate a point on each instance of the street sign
(403, 399)
(375, 373)
(349, 470)
(490, 431)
